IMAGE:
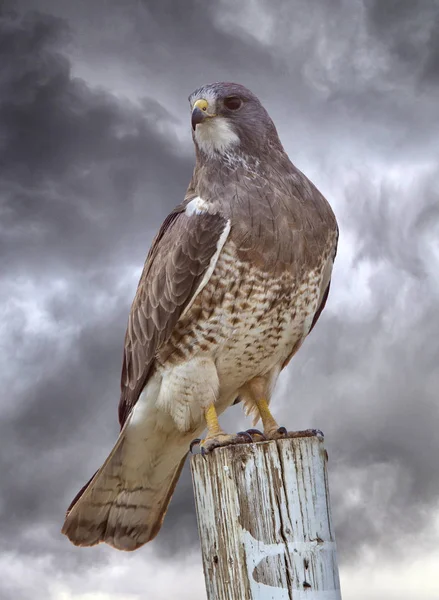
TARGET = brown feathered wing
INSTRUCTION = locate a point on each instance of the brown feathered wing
(125, 501)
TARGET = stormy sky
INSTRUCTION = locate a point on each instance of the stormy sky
(95, 149)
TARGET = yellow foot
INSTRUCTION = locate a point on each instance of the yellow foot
(281, 433)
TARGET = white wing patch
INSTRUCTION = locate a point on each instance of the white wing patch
(196, 207)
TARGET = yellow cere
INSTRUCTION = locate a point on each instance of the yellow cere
(202, 104)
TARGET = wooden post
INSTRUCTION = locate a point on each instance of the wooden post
(265, 522)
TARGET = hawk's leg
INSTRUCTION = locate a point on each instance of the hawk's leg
(258, 390)
(216, 437)
(271, 427)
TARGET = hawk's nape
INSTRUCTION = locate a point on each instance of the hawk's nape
(235, 280)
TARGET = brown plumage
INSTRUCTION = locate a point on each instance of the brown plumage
(235, 280)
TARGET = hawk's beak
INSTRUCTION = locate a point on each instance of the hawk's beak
(198, 117)
(199, 112)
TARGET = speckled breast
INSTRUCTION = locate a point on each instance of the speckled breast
(245, 318)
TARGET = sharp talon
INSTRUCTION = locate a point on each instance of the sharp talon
(282, 430)
(257, 432)
(246, 434)
(204, 452)
(194, 443)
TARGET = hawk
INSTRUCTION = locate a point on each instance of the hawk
(235, 280)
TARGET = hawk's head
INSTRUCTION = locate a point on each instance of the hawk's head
(227, 117)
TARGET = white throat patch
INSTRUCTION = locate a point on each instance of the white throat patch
(215, 135)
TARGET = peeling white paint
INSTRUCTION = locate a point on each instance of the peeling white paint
(256, 551)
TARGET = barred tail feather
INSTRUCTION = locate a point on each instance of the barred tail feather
(125, 502)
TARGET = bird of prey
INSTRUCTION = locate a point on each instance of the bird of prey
(235, 280)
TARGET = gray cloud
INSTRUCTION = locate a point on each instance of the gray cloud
(79, 170)
(93, 118)
(408, 34)
(75, 161)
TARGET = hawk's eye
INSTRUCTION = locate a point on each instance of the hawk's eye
(232, 103)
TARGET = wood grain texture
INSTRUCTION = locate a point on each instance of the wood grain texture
(265, 522)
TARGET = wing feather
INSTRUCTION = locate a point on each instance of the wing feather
(180, 257)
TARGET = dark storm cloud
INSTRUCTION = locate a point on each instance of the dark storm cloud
(326, 63)
(410, 35)
(408, 31)
(154, 38)
(78, 167)
(85, 183)
(345, 62)
(395, 223)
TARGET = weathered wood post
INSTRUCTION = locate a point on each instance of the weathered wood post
(265, 522)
